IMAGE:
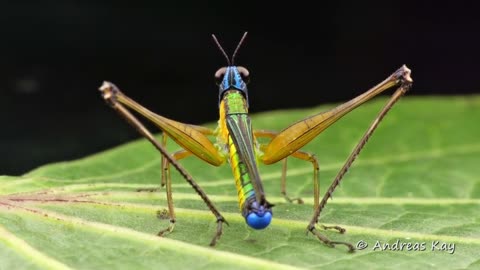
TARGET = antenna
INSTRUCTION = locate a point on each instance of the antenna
(238, 47)
(221, 49)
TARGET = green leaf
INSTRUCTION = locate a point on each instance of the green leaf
(416, 182)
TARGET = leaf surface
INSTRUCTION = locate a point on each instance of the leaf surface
(415, 183)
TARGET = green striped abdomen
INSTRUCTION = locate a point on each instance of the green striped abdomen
(236, 130)
(242, 178)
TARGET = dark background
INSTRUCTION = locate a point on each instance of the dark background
(55, 54)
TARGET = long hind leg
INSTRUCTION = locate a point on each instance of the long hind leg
(311, 226)
(111, 94)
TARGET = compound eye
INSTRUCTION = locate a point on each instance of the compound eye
(244, 73)
(219, 75)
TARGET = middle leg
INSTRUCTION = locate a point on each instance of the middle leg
(300, 155)
(113, 97)
(180, 154)
(270, 135)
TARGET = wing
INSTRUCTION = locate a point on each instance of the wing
(240, 130)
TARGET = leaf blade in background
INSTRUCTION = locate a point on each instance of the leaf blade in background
(415, 182)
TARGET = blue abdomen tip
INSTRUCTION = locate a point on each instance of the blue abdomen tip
(257, 221)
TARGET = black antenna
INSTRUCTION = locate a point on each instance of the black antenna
(238, 47)
(221, 49)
